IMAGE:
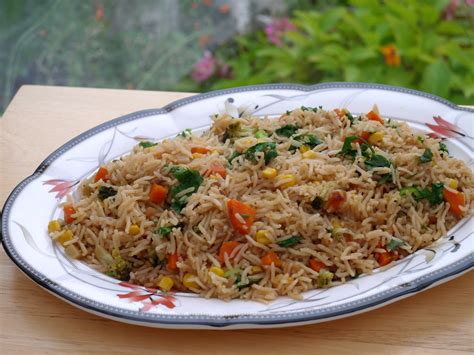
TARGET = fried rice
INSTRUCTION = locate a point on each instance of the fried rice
(257, 208)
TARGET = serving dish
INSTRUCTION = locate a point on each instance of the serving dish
(35, 201)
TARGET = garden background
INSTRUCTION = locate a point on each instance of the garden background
(201, 45)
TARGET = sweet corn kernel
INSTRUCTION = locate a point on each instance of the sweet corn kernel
(262, 237)
(269, 173)
(216, 270)
(215, 152)
(166, 283)
(54, 226)
(304, 148)
(256, 269)
(197, 155)
(290, 180)
(335, 223)
(310, 154)
(188, 283)
(453, 183)
(375, 137)
(65, 236)
(134, 229)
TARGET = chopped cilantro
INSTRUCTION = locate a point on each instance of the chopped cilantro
(394, 244)
(249, 283)
(308, 139)
(347, 147)
(433, 195)
(186, 133)
(377, 161)
(268, 148)
(286, 130)
(292, 241)
(187, 178)
(234, 155)
(350, 117)
(427, 156)
(420, 139)
(314, 109)
(106, 192)
(385, 178)
(443, 148)
(164, 231)
(147, 144)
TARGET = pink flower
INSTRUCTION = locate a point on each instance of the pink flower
(277, 28)
(204, 68)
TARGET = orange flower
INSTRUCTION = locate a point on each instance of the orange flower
(224, 8)
(99, 11)
(390, 54)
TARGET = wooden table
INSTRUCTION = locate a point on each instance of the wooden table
(41, 118)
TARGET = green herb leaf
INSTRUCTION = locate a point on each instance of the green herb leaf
(385, 178)
(350, 117)
(164, 231)
(268, 148)
(314, 109)
(394, 244)
(427, 156)
(234, 155)
(420, 139)
(186, 133)
(250, 282)
(292, 241)
(309, 139)
(106, 192)
(377, 161)
(347, 147)
(188, 178)
(443, 148)
(147, 144)
(286, 130)
(434, 196)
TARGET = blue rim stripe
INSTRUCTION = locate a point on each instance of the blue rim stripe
(222, 321)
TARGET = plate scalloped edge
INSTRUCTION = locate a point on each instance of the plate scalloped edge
(159, 320)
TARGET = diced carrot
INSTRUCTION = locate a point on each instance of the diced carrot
(227, 248)
(216, 168)
(374, 116)
(316, 265)
(246, 213)
(335, 200)
(365, 135)
(456, 200)
(172, 260)
(102, 174)
(200, 150)
(383, 258)
(68, 212)
(158, 193)
(271, 258)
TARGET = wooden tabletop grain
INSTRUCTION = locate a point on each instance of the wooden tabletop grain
(38, 120)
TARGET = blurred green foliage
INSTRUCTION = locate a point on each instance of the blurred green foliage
(154, 45)
(400, 42)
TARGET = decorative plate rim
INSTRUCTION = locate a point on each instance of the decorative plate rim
(421, 283)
